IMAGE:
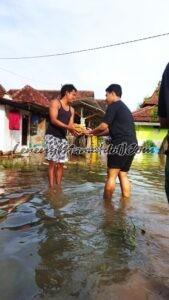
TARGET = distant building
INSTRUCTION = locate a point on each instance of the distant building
(147, 122)
(24, 115)
(23, 119)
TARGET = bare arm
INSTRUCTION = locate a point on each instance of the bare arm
(71, 126)
(100, 129)
(104, 133)
(71, 122)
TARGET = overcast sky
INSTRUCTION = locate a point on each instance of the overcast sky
(37, 27)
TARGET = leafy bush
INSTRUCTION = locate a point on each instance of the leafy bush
(149, 144)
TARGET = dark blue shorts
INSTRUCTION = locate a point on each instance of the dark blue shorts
(115, 161)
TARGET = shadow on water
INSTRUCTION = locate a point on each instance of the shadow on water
(69, 244)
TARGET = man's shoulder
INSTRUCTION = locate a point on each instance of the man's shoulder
(115, 104)
(55, 103)
(122, 104)
(72, 109)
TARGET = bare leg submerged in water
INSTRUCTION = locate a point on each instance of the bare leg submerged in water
(110, 185)
(59, 173)
(55, 173)
(125, 184)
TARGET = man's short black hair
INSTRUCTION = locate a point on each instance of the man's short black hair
(116, 88)
(67, 88)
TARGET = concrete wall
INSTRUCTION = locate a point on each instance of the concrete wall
(37, 140)
(2, 127)
(144, 133)
(9, 138)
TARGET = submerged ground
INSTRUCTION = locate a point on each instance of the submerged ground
(69, 244)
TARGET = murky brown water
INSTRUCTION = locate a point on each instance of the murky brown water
(70, 245)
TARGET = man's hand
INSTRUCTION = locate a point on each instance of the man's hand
(72, 130)
(88, 132)
(99, 129)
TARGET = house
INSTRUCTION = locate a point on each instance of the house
(23, 119)
(147, 122)
(24, 115)
(88, 110)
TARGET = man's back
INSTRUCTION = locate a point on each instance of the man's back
(121, 123)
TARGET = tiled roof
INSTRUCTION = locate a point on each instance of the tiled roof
(29, 95)
(102, 103)
(148, 109)
(153, 100)
(42, 98)
(53, 94)
(2, 91)
(85, 94)
(84, 98)
(91, 104)
(145, 114)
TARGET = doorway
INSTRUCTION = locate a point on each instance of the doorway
(25, 127)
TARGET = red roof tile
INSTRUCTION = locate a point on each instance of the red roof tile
(29, 95)
(90, 104)
(53, 94)
(145, 114)
(148, 109)
(102, 103)
(153, 100)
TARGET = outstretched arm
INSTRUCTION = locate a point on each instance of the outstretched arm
(104, 133)
(99, 129)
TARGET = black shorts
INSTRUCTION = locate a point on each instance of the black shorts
(115, 161)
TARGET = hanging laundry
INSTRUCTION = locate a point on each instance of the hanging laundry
(14, 120)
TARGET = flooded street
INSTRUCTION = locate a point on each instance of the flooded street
(69, 244)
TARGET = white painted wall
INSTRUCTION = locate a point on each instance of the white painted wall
(2, 127)
(9, 138)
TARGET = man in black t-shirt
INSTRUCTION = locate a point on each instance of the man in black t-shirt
(163, 112)
(118, 123)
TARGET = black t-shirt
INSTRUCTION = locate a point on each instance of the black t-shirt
(121, 123)
(163, 103)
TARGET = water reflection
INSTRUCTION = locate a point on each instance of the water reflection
(72, 241)
(56, 249)
(83, 248)
(121, 241)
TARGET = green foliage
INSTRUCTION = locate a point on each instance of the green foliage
(146, 99)
(17, 164)
(149, 144)
(154, 114)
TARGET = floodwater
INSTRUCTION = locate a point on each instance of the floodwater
(69, 244)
